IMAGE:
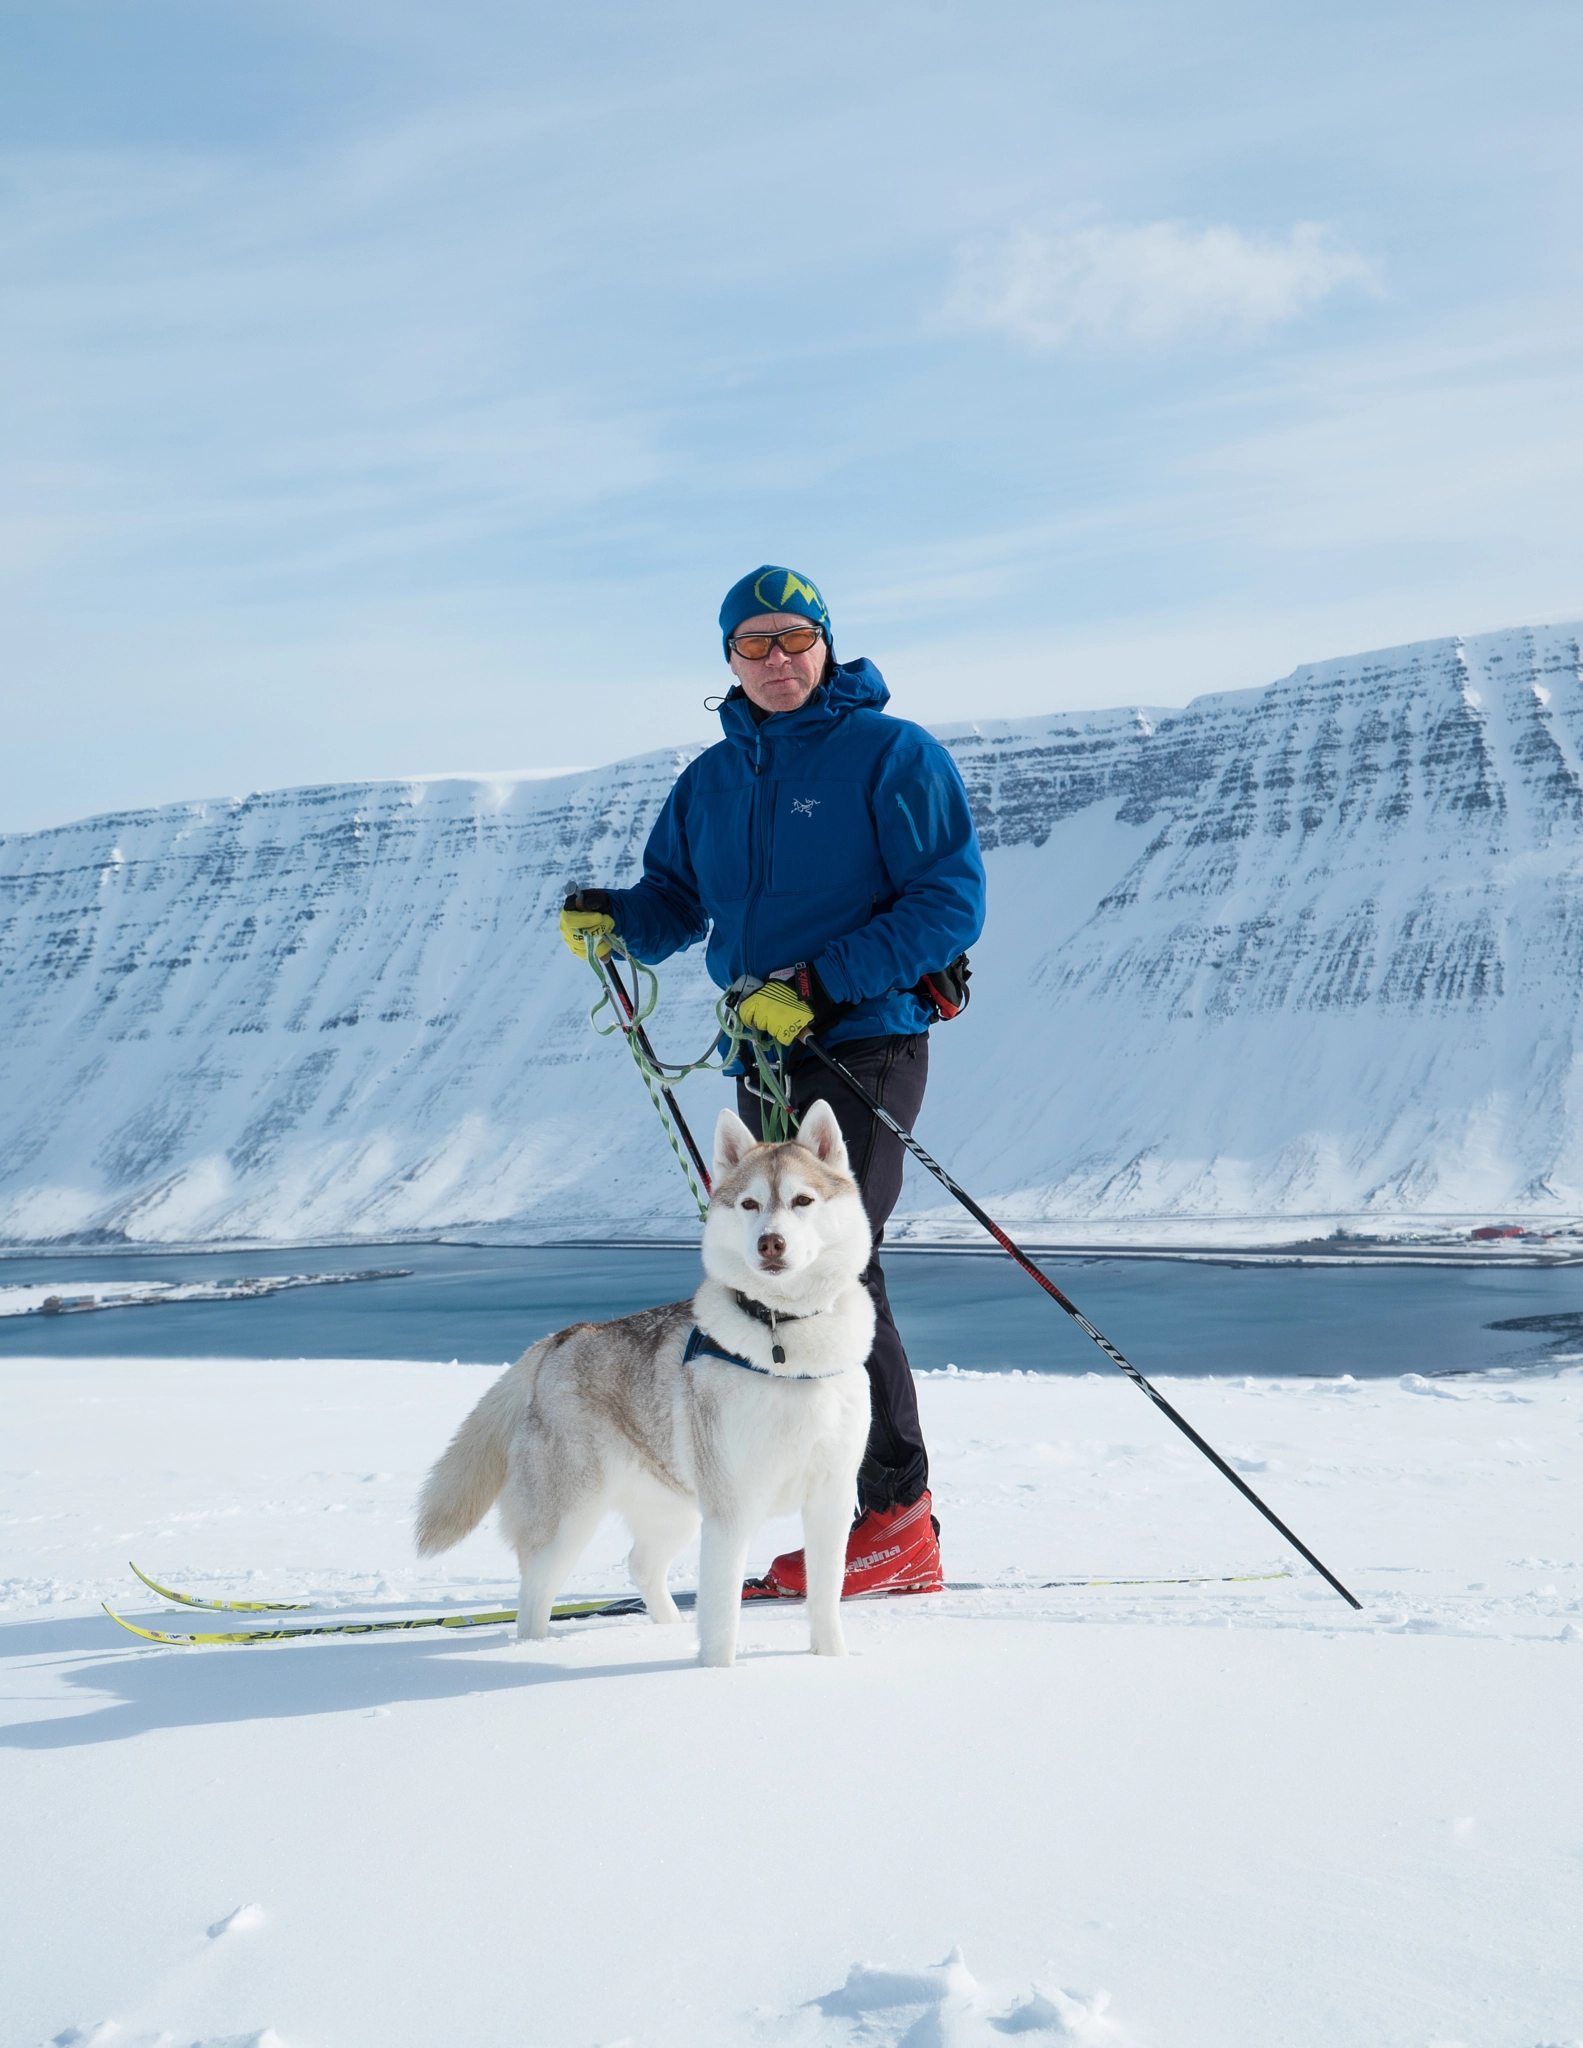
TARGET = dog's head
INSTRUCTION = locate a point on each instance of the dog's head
(786, 1222)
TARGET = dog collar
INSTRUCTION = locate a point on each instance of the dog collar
(700, 1346)
(761, 1312)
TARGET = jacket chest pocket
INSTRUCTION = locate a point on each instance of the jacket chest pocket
(822, 840)
(719, 841)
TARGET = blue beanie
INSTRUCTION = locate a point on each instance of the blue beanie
(772, 590)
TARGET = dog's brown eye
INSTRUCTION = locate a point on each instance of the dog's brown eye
(748, 1202)
(802, 1201)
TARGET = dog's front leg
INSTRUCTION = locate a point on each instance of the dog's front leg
(722, 1563)
(826, 1518)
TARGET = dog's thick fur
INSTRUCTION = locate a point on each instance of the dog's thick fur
(606, 1415)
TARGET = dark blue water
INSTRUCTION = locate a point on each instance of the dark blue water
(484, 1305)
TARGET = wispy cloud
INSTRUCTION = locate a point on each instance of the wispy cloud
(1150, 284)
(384, 385)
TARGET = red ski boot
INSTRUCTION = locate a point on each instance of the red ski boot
(890, 1550)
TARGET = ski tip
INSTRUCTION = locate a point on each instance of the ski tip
(149, 1635)
(154, 1586)
(219, 1606)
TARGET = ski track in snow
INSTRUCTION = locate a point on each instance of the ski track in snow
(1309, 952)
(1209, 1816)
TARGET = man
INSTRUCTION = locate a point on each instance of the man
(829, 850)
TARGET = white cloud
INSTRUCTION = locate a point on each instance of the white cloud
(1150, 284)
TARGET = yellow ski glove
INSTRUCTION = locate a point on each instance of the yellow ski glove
(586, 911)
(777, 1010)
(784, 1008)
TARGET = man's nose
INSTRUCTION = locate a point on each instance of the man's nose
(771, 1246)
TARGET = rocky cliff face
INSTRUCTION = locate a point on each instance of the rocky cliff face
(1306, 950)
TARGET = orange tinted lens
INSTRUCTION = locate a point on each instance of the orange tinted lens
(796, 640)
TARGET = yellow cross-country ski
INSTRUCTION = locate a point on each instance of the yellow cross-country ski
(326, 1628)
(567, 1611)
(612, 1606)
(222, 1606)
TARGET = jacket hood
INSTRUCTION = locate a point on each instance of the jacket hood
(853, 686)
(833, 834)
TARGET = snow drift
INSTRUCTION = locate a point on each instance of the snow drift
(1310, 950)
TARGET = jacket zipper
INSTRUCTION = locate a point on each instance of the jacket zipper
(758, 838)
(911, 827)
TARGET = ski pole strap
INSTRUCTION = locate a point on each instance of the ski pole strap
(933, 1166)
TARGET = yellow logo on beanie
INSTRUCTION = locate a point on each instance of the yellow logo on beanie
(793, 586)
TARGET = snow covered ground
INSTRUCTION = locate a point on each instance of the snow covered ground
(1213, 1816)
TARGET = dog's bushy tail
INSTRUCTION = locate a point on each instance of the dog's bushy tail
(465, 1483)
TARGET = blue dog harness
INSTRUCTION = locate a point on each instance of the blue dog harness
(700, 1346)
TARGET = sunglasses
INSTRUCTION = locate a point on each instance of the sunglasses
(794, 640)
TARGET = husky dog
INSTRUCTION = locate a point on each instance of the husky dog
(646, 1415)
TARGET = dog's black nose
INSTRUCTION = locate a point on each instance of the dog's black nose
(771, 1246)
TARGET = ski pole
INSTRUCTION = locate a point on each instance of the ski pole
(642, 1038)
(1082, 1322)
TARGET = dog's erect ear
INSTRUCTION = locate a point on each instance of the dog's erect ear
(822, 1135)
(733, 1140)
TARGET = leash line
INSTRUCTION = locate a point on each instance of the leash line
(734, 1041)
(642, 1037)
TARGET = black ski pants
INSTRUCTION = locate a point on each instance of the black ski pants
(895, 1468)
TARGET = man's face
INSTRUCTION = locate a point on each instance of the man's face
(781, 681)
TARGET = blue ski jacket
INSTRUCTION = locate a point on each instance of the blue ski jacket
(831, 834)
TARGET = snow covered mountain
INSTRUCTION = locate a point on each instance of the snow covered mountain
(1306, 951)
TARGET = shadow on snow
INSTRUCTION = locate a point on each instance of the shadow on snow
(137, 1691)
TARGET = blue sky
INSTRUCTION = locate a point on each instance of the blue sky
(392, 389)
